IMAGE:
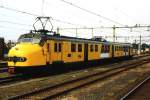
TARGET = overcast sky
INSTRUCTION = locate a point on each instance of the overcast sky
(126, 12)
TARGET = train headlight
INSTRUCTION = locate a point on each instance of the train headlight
(22, 59)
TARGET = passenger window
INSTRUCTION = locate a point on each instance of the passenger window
(73, 47)
(55, 47)
(91, 48)
(79, 47)
(96, 48)
(59, 49)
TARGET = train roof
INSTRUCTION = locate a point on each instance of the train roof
(75, 39)
(58, 37)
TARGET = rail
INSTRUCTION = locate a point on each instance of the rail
(132, 91)
(56, 90)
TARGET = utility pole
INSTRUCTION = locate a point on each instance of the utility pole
(114, 29)
(58, 30)
(92, 33)
(140, 44)
(76, 32)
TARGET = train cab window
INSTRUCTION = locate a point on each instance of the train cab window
(96, 48)
(55, 47)
(91, 48)
(73, 47)
(79, 47)
(59, 47)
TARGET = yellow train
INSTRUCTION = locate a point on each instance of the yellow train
(38, 51)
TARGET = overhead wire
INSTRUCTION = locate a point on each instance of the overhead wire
(23, 12)
(35, 15)
(14, 23)
(91, 12)
(8, 27)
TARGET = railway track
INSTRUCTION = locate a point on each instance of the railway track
(3, 64)
(132, 91)
(56, 90)
(10, 79)
(3, 70)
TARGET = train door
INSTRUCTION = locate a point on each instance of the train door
(46, 52)
(58, 51)
(85, 52)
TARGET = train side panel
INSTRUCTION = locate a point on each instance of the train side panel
(94, 51)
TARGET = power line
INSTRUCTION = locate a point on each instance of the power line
(19, 11)
(35, 15)
(116, 27)
(125, 14)
(15, 28)
(74, 5)
(14, 23)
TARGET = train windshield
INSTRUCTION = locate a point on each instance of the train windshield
(33, 38)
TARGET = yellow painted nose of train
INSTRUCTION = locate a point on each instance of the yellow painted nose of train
(31, 52)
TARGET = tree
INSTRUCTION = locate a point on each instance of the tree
(144, 46)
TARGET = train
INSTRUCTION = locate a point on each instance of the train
(38, 51)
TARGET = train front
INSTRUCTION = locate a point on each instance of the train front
(26, 55)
